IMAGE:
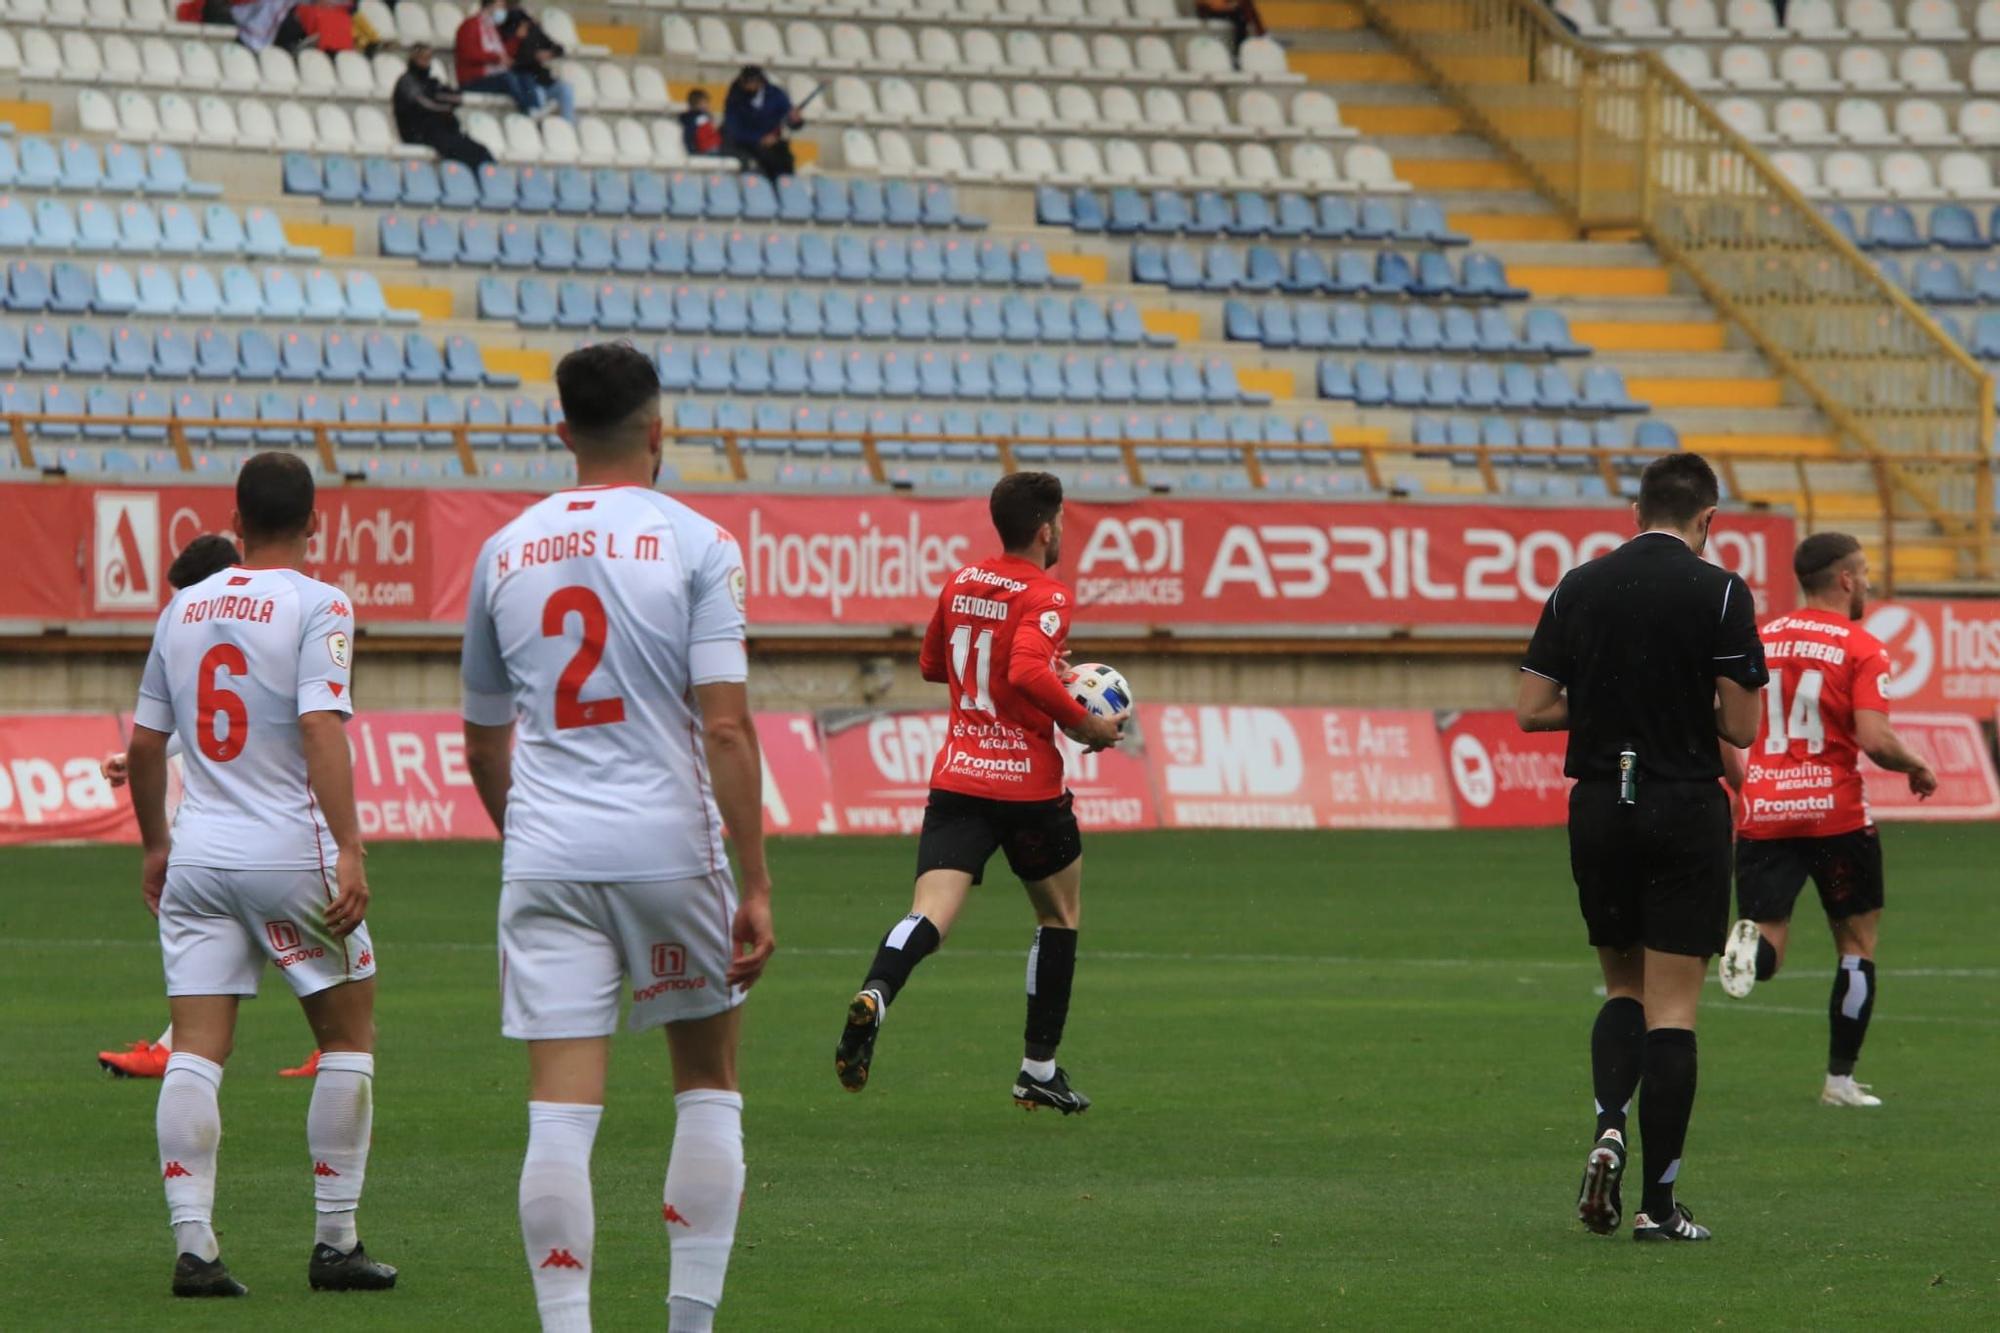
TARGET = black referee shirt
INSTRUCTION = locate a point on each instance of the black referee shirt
(1638, 637)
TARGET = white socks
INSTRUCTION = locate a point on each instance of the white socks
(1043, 1070)
(167, 1038)
(558, 1222)
(704, 1191)
(338, 1127)
(189, 1125)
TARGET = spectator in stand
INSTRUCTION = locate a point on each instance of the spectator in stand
(330, 27)
(700, 135)
(262, 23)
(481, 57)
(534, 54)
(427, 114)
(205, 11)
(1241, 15)
(755, 116)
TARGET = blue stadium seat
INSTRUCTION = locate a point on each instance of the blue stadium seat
(750, 368)
(1546, 331)
(788, 371)
(1657, 435)
(131, 352)
(973, 373)
(1353, 274)
(865, 204)
(1481, 274)
(277, 414)
(1167, 213)
(513, 242)
(440, 409)
(723, 197)
(1385, 329)
(174, 355)
(1840, 220)
(481, 410)
(362, 295)
(926, 260)
(555, 247)
(458, 187)
(1955, 228)
(574, 194)
(576, 304)
(418, 185)
(1242, 323)
(830, 200)
(617, 306)
(499, 187)
(55, 225)
(381, 358)
(324, 298)
(381, 183)
(422, 362)
(399, 236)
(1424, 220)
(40, 166)
(795, 199)
(361, 419)
(1521, 387)
(148, 401)
(1031, 267)
(1555, 393)
(1891, 227)
(125, 170)
(298, 355)
(1128, 213)
(525, 413)
(1986, 336)
(463, 364)
(284, 296)
(26, 287)
(1370, 385)
(1423, 329)
(1009, 376)
(535, 190)
(44, 349)
(902, 206)
(1407, 385)
(340, 180)
(101, 400)
(1938, 279)
(1312, 325)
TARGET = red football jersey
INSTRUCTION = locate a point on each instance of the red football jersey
(1804, 778)
(998, 630)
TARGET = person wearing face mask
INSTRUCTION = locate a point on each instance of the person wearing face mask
(427, 113)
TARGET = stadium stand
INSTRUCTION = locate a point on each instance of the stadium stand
(1080, 223)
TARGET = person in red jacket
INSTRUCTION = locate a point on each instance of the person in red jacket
(483, 64)
(996, 641)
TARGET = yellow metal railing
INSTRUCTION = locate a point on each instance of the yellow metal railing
(1619, 142)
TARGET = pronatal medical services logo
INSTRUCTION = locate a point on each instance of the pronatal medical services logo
(125, 552)
(1912, 649)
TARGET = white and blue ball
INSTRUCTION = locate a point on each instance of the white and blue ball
(1099, 688)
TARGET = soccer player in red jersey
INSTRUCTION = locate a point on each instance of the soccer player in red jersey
(996, 640)
(1804, 811)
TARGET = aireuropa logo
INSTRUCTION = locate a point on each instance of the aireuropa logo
(125, 563)
(1912, 649)
(1472, 770)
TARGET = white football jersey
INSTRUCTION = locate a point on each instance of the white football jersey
(237, 659)
(590, 619)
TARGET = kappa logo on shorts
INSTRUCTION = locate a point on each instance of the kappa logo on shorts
(284, 936)
(669, 960)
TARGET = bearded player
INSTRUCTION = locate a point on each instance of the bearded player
(1804, 812)
(996, 640)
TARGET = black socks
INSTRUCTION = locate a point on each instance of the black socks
(1051, 968)
(1664, 1110)
(1767, 960)
(908, 943)
(1617, 1057)
(1848, 1012)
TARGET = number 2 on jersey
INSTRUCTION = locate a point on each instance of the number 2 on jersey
(221, 705)
(977, 696)
(573, 711)
(1802, 723)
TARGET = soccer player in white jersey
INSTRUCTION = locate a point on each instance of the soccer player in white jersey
(604, 634)
(251, 669)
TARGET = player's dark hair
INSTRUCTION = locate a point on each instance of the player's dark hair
(602, 385)
(1672, 490)
(1819, 557)
(208, 554)
(1021, 503)
(274, 494)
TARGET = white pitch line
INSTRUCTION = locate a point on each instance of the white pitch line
(1886, 1016)
(1797, 973)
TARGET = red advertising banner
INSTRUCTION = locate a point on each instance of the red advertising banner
(1956, 750)
(1946, 654)
(1236, 767)
(878, 560)
(880, 768)
(798, 797)
(410, 778)
(1502, 777)
(51, 784)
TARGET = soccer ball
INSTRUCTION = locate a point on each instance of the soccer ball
(1099, 688)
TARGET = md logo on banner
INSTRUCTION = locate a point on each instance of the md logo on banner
(125, 552)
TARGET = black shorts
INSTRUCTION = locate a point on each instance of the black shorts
(961, 833)
(1655, 873)
(1846, 868)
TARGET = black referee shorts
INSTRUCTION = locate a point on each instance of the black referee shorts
(1846, 868)
(962, 832)
(1655, 873)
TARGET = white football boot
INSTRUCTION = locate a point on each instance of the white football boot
(1842, 1090)
(1738, 968)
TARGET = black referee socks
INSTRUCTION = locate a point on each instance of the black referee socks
(1767, 960)
(1051, 969)
(1853, 1003)
(908, 943)
(1617, 1057)
(1664, 1109)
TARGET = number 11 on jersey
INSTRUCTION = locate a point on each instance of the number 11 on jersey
(978, 697)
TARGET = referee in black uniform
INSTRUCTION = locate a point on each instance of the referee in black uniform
(1647, 656)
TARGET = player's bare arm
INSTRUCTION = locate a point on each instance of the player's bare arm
(1540, 704)
(737, 766)
(1735, 713)
(330, 770)
(146, 763)
(1735, 766)
(489, 756)
(1879, 741)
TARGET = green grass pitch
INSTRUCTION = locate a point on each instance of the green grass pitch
(1340, 1082)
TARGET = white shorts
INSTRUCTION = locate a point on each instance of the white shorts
(568, 948)
(217, 927)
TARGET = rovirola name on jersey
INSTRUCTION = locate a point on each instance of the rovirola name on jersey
(583, 544)
(229, 606)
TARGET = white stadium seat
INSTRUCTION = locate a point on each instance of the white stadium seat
(1745, 117)
(373, 134)
(1985, 70)
(413, 25)
(986, 103)
(1169, 162)
(239, 70)
(1034, 158)
(1986, 23)
(851, 97)
(938, 49)
(1258, 110)
(1110, 54)
(649, 89)
(1260, 57)
(1582, 14)
(1934, 21)
(1979, 121)
(1866, 69)
(1801, 120)
(334, 131)
(944, 100)
(1081, 162)
(200, 66)
(713, 39)
(1316, 113)
(560, 145)
(898, 99)
(1124, 161)
(1806, 68)
(898, 157)
(1154, 56)
(1925, 69)
(1920, 120)
(1165, 111)
(121, 59)
(945, 155)
(982, 51)
(1119, 105)
(1257, 165)
(1858, 120)
(484, 127)
(635, 145)
(1691, 63)
(1874, 19)
(857, 151)
(1637, 18)
(1208, 113)
(669, 150)
(80, 59)
(382, 19)
(524, 138)
(1212, 164)
(1752, 18)
(1908, 176)
(1799, 170)
(806, 43)
(1370, 169)
(1850, 174)
(1026, 53)
(990, 158)
(1067, 52)
(95, 112)
(1814, 18)
(1312, 167)
(355, 74)
(218, 122)
(763, 42)
(177, 122)
(1964, 175)
(1032, 104)
(1745, 67)
(41, 58)
(1075, 106)
(316, 76)
(678, 37)
(256, 123)
(276, 72)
